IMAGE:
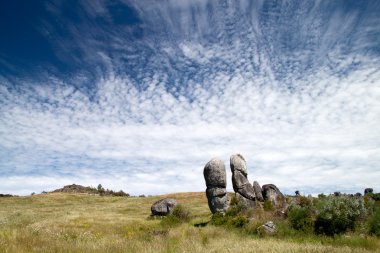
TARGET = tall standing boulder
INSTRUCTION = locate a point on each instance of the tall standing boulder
(273, 194)
(214, 173)
(258, 191)
(243, 189)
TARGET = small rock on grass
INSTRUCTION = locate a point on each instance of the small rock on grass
(163, 207)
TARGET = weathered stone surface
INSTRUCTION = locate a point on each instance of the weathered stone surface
(268, 228)
(240, 182)
(258, 191)
(247, 202)
(368, 190)
(163, 207)
(218, 203)
(214, 173)
(273, 194)
(216, 192)
(238, 163)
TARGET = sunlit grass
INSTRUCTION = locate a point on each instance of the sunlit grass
(87, 223)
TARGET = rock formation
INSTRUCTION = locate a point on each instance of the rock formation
(273, 194)
(252, 195)
(163, 207)
(243, 189)
(214, 173)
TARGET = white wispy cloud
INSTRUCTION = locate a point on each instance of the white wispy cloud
(304, 117)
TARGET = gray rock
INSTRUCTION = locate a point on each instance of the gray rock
(368, 190)
(238, 163)
(240, 182)
(245, 201)
(268, 228)
(282, 213)
(258, 191)
(214, 173)
(163, 207)
(273, 194)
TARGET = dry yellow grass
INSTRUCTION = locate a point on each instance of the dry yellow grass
(83, 223)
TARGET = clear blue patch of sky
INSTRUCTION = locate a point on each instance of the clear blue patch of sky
(26, 49)
(21, 44)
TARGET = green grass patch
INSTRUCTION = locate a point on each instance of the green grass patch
(86, 223)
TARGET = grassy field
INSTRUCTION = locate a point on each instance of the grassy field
(88, 223)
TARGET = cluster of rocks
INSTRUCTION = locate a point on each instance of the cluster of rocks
(251, 194)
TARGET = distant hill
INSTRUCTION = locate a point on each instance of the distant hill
(7, 195)
(74, 188)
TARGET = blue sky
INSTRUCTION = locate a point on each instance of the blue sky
(140, 95)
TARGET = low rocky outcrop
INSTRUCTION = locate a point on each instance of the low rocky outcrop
(163, 207)
(214, 173)
(75, 188)
(243, 189)
(273, 194)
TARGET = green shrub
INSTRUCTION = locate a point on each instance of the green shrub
(268, 206)
(304, 202)
(237, 206)
(236, 215)
(170, 221)
(338, 215)
(376, 196)
(178, 215)
(181, 213)
(374, 223)
(251, 227)
(218, 219)
(300, 219)
(238, 221)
